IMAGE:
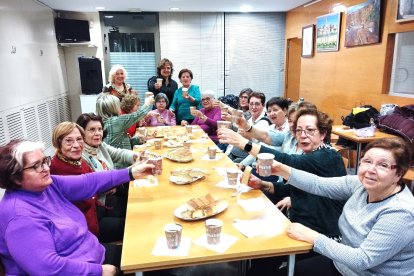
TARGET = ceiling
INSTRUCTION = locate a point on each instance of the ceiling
(183, 5)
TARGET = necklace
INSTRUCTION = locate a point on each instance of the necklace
(77, 163)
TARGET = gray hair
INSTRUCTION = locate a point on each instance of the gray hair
(107, 105)
(113, 71)
(210, 93)
(24, 147)
(161, 96)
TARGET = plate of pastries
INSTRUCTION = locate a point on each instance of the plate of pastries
(187, 175)
(201, 208)
(182, 155)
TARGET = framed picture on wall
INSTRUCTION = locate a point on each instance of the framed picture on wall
(405, 10)
(327, 32)
(363, 24)
(307, 41)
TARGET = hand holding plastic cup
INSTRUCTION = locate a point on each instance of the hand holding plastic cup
(213, 231)
(148, 94)
(264, 164)
(185, 92)
(223, 124)
(159, 81)
(192, 109)
(157, 162)
(173, 233)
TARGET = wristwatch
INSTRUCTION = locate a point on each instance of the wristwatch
(248, 146)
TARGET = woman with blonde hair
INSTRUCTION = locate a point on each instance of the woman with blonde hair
(116, 82)
(117, 125)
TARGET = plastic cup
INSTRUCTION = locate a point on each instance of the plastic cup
(212, 151)
(148, 94)
(142, 131)
(187, 145)
(264, 164)
(213, 230)
(237, 115)
(157, 162)
(223, 124)
(173, 235)
(192, 109)
(158, 144)
(189, 129)
(159, 81)
(224, 110)
(232, 175)
(185, 92)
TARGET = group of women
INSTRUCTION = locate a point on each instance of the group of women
(72, 206)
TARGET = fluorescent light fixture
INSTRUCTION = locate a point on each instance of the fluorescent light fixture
(174, 9)
(339, 8)
(311, 3)
(109, 16)
(100, 8)
(245, 8)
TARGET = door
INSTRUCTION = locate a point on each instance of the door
(293, 63)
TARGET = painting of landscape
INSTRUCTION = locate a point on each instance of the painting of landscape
(362, 24)
(327, 32)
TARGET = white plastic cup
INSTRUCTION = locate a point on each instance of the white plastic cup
(213, 231)
(264, 164)
(232, 175)
(173, 233)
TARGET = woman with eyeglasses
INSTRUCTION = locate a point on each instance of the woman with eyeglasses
(42, 232)
(68, 139)
(100, 157)
(312, 130)
(161, 116)
(207, 116)
(377, 220)
(186, 96)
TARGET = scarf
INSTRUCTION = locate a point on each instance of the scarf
(77, 163)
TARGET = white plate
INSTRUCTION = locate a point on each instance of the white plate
(222, 205)
(176, 180)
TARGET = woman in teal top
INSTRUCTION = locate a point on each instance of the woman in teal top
(184, 99)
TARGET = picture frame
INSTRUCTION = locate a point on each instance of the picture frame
(363, 24)
(328, 28)
(405, 10)
(308, 34)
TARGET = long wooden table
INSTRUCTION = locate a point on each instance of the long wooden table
(347, 133)
(150, 208)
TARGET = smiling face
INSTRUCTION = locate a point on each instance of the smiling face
(72, 145)
(35, 181)
(93, 133)
(186, 79)
(119, 77)
(277, 115)
(166, 70)
(255, 107)
(307, 133)
(377, 172)
(207, 102)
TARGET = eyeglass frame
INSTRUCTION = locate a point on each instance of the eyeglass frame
(308, 132)
(208, 99)
(45, 161)
(377, 166)
(72, 142)
(255, 104)
(94, 130)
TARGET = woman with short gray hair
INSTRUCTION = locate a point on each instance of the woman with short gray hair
(208, 115)
(161, 116)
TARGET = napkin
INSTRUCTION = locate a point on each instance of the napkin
(224, 184)
(144, 182)
(252, 205)
(225, 242)
(161, 249)
(271, 224)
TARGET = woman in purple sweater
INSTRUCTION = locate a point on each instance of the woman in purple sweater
(41, 231)
(207, 116)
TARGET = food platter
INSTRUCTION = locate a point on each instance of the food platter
(181, 155)
(184, 212)
(187, 176)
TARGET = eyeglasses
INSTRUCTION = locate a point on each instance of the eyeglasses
(308, 131)
(40, 166)
(380, 166)
(71, 142)
(255, 104)
(94, 130)
(205, 99)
